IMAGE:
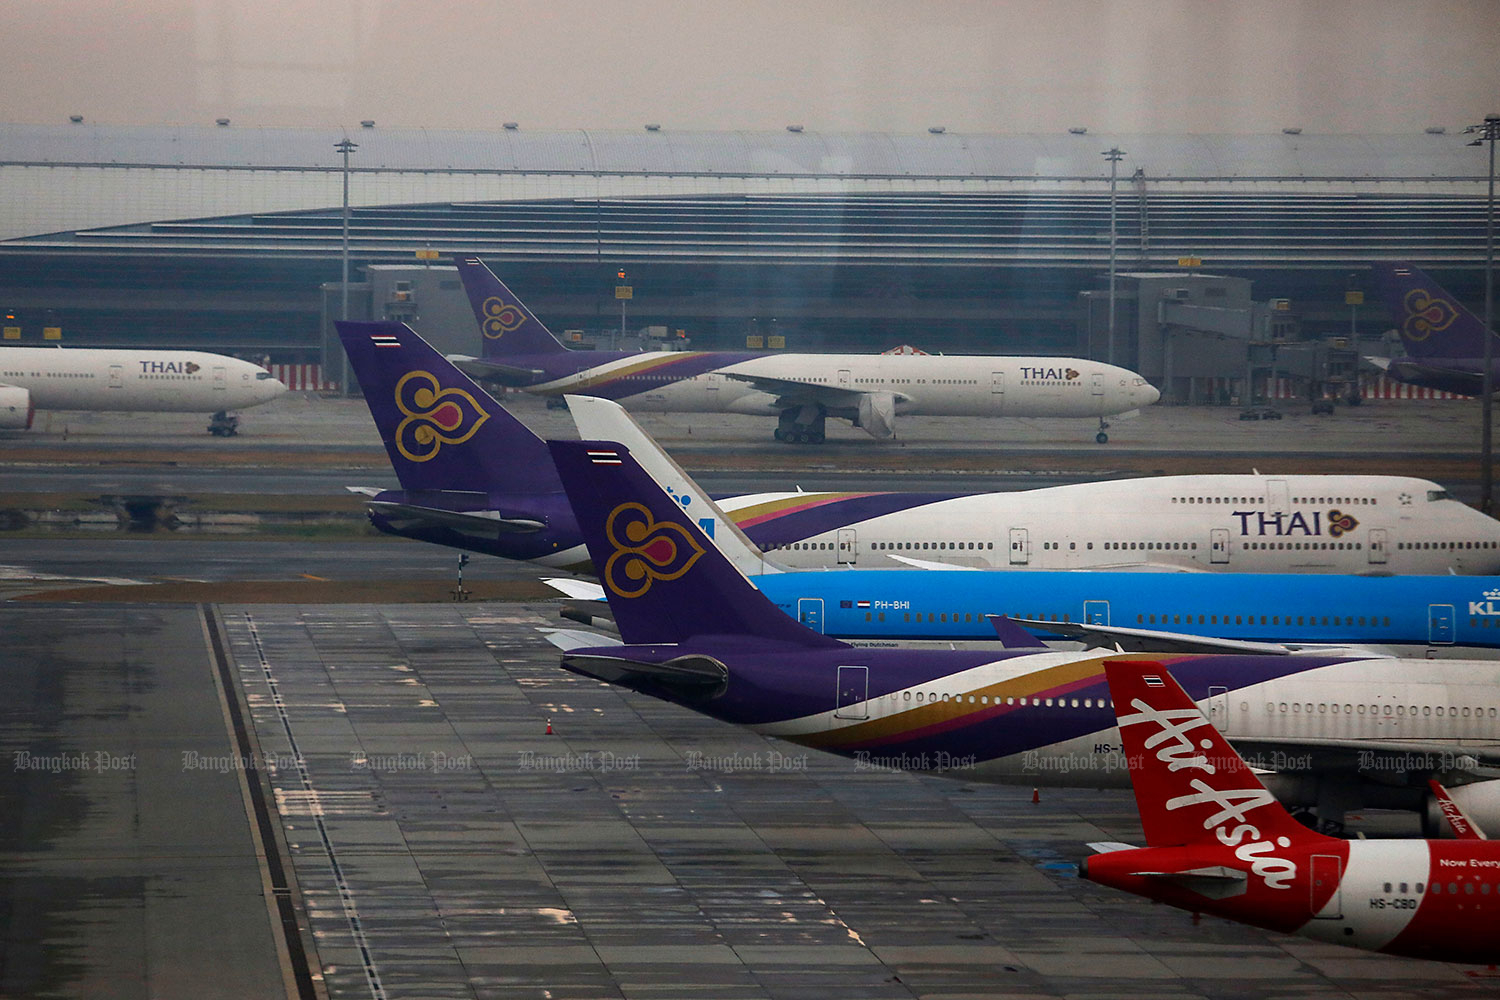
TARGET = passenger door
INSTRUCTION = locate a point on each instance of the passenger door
(1440, 624)
(853, 696)
(1327, 876)
(1020, 547)
(997, 393)
(848, 547)
(1218, 708)
(1377, 546)
(1218, 545)
(810, 612)
(1096, 612)
(117, 376)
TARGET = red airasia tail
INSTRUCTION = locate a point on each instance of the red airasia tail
(1219, 843)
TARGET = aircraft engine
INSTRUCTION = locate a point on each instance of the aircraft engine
(877, 414)
(16, 410)
(1480, 800)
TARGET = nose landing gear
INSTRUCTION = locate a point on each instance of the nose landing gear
(222, 424)
(1102, 437)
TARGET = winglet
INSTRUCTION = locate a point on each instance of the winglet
(1459, 822)
(1191, 786)
(506, 326)
(1013, 636)
(664, 579)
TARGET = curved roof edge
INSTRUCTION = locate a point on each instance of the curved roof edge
(946, 154)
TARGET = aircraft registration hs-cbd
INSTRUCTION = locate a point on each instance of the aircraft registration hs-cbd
(128, 380)
(482, 482)
(801, 390)
(1336, 731)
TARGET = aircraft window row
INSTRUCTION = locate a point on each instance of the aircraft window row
(1346, 501)
(1048, 382)
(1299, 546)
(1386, 711)
(1376, 620)
(928, 697)
(180, 378)
(907, 546)
(1446, 545)
(54, 374)
(1158, 546)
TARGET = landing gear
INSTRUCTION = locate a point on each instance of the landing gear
(223, 425)
(801, 426)
(1102, 437)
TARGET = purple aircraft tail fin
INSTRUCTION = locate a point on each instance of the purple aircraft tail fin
(1432, 323)
(506, 326)
(442, 431)
(663, 577)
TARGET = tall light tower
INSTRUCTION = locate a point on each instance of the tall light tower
(1114, 155)
(346, 147)
(1488, 132)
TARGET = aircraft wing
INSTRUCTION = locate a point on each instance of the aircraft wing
(794, 392)
(928, 563)
(494, 371)
(576, 638)
(489, 523)
(1141, 640)
(1396, 758)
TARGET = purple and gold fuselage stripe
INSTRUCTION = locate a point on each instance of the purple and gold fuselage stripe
(619, 383)
(778, 522)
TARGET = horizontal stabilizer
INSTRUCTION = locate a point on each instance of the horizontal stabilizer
(575, 638)
(489, 523)
(493, 371)
(572, 586)
(1212, 882)
(694, 673)
(1140, 640)
(364, 491)
(594, 614)
(1109, 846)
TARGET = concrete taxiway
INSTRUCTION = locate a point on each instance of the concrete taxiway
(440, 843)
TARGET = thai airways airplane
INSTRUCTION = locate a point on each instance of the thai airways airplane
(1444, 341)
(1339, 731)
(480, 481)
(126, 379)
(1218, 842)
(801, 390)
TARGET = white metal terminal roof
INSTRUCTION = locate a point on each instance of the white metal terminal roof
(666, 152)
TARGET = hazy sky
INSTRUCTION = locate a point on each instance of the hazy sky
(834, 65)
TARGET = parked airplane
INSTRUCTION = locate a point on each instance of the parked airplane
(801, 390)
(126, 379)
(493, 490)
(1444, 341)
(1340, 731)
(1218, 842)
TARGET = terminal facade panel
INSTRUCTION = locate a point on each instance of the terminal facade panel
(229, 238)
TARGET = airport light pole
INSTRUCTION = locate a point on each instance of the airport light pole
(346, 147)
(1114, 155)
(1488, 132)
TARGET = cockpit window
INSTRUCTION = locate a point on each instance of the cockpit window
(262, 376)
(1439, 495)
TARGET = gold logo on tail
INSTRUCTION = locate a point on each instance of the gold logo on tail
(434, 416)
(500, 317)
(646, 550)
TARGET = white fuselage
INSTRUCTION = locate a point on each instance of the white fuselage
(1386, 701)
(109, 379)
(1229, 523)
(930, 384)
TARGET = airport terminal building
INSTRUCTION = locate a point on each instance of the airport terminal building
(230, 238)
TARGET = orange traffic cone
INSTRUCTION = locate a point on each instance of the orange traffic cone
(1036, 796)
(549, 727)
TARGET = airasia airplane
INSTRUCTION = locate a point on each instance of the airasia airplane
(801, 390)
(129, 380)
(1218, 842)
